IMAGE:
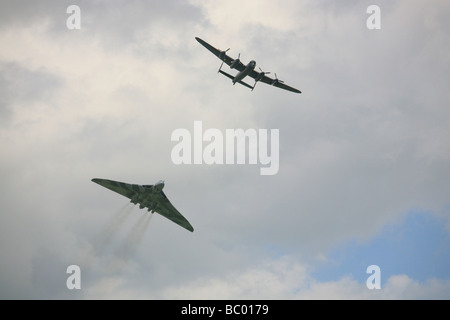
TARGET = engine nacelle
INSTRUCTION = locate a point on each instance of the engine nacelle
(260, 76)
(152, 207)
(235, 63)
(135, 200)
(222, 54)
(276, 81)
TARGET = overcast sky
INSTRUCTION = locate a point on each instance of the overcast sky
(364, 175)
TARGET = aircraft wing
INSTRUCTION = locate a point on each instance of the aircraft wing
(125, 189)
(166, 209)
(255, 74)
(220, 54)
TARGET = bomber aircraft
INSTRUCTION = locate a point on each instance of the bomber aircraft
(148, 196)
(244, 70)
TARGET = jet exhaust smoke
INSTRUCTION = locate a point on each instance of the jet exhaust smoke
(89, 254)
(119, 260)
(134, 237)
(113, 224)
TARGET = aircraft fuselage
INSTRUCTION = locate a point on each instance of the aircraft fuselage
(158, 186)
(148, 191)
(145, 199)
(248, 68)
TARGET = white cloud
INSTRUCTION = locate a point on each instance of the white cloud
(287, 279)
(274, 280)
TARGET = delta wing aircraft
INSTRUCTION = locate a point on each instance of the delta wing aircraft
(147, 196)
(244, 70)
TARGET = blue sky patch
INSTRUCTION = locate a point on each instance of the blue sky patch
(419, 247)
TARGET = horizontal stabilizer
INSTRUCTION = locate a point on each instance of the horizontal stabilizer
(226, 74)
(232, 78)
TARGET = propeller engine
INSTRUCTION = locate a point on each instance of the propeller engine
(259, 77)
(222, 57)
(276, 80)
(222, 54)
(235, 62)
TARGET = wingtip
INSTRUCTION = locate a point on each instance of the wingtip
(98, 181)
(200, 40)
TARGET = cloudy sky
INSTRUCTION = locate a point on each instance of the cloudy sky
(364, 176)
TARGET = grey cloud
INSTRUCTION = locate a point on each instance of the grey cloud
(21, 88)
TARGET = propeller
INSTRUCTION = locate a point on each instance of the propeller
(222, 57)
(222, 54)
(235, 62)
(262, 74)
(276, 80)
(259, 77)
